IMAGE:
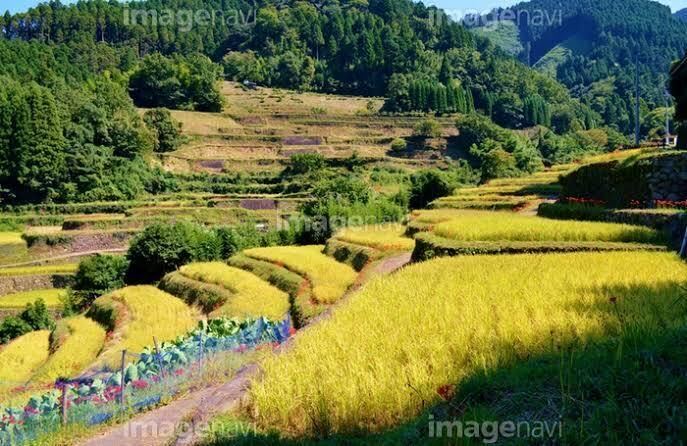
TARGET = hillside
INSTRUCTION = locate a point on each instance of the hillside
(583, 43)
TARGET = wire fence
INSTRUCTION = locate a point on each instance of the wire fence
(142, 381)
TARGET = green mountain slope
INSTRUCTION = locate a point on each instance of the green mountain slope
(583, 42)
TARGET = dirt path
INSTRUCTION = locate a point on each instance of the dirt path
(161, 427)
(64, 257)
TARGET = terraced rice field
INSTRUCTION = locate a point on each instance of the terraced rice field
(75, 344)
(22, 357)
(52, 298)
(490, 226)
(137, 314)
(251, 296)
(329, 279)
(63, 268)
(386, 237)
(381, 358)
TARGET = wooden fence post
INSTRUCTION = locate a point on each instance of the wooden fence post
(122, 385)
(65, 387)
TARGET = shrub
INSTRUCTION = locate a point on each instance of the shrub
(399, 145)
(35, 317)
(99, 275)
(163, 248)
(304, 163)
(427, 186)
(429, 128)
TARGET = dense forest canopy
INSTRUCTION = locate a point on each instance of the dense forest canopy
(337, 46)
(594, 46)
(80, 70)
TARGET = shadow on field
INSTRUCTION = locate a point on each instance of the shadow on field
(627, 388)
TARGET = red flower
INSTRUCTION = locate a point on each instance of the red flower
(139, 384)
(447, 391)
(292, 331)
(178, 372)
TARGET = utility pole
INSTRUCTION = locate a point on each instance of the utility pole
(637, 100)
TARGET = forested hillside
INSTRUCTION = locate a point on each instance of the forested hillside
(592, 47)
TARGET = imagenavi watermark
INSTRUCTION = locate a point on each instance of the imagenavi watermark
(491, 18)
(489, 432)
(140, 430)
(186, 19)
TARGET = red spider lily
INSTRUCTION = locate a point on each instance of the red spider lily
(292, 331)
(178, 372)
(590, 201)
(447, 391)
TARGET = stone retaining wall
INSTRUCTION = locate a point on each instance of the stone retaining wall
(668, 178)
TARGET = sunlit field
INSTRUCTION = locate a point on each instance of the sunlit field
(380, 359)
(252, 296)
(136, 315)
(490, 226)
(52, 298)
(63, 268)
(382, 237)
(329, 278)
(21, 357)
(74, 344)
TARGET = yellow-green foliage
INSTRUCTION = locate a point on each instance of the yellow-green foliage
(497, 226)
(434, 216)
(11, 238)
(63, 268)
(253, 297)
(329, 278)
(52, 298)
(75, 344)
(382, 237)
(382, 356)
(137, 314)
(21, 357)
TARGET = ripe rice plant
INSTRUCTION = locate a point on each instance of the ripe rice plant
(52, 298)
(434, 216)
(74, 344)
(137, 314)
(42, 270)
(329, 279)
(11, 238)
(384, 237)
(21, 357)
(381, 358)
(497, 226)
(252, 296)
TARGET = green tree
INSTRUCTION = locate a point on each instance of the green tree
(166, 130)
